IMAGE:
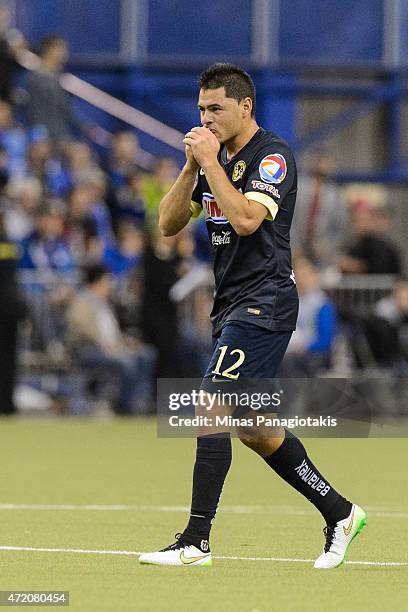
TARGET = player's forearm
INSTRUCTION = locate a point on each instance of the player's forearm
(233, 204)
(174, 209)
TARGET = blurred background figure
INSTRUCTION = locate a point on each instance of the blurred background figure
(129, 200)
(156, 185)
(46, 248)
(385, 330)
(23, 198)
(371, 249)
(11, 43)
(12, 310)
(13, 139)
(80, 162)
(320, 219)
(310, 348)
(49, 105)
(90, 225)
(123, 157)
(159, 315)
(124, 255)
(96, 341)
(45, 254)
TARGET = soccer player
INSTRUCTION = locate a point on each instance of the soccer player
(244, 179)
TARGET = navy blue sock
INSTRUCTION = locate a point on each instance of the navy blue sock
(213, 460)
(292, 464)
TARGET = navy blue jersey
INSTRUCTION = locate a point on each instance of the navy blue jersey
(254, 280)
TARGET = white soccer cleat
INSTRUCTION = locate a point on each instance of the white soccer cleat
(339, 538)
(180, 553)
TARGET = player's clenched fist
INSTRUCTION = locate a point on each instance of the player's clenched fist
(204, 145)
(191, 161)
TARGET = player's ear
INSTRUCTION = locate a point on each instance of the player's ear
(246, 107)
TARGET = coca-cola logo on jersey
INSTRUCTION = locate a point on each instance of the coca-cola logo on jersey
(211, 209)
(219, 239)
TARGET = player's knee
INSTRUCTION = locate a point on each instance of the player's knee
(246, 440)
(264, 446)
(252, 442)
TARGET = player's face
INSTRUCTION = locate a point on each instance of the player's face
(222, 115)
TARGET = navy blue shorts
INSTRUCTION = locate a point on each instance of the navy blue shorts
(245, 352)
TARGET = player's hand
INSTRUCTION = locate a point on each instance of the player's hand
(204, 145)
(191, 162)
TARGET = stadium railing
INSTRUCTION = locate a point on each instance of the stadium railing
(47, 292)
(357, 293)
(114, 107)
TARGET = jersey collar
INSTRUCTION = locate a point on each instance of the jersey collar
(223, 151)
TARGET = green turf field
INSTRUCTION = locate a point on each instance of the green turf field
(83, 486)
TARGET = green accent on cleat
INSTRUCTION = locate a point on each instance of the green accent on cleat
(362, 522)
(207, 563)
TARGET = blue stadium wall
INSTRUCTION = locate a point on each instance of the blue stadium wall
(149, 52)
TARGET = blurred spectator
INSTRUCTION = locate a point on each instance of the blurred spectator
(83, 234)
(394, 308)
(90, 222)
(99, 211)
(181, 350)
(125, 254)
(49, 105)
(130, 201)
(319, 222)
(49, 268)
(24, 195)
(123, 158)
(80, 163)
(47, 248)
(159, 315)
(122, 165)
(13, 139)
(39, 152)
(97, 341)
(156, 185)
(371, 251)
(387, 328)
(311, 344)
(12, 309)
(11, 42)
(46, 166)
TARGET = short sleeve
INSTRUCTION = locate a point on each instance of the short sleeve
(270, 177)
(196, 200)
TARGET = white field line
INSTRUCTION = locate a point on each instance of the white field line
(132, 553)
(277, 510)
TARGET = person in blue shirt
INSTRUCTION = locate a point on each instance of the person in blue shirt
(311, 344)
(13, 139)
(48, 262)
(124, 255)
(46, 248)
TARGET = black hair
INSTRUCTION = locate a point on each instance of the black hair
(236, 82)
(93, 273)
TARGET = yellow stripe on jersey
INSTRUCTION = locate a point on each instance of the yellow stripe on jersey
(8, 250)
(196, 209)
(264, 199)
